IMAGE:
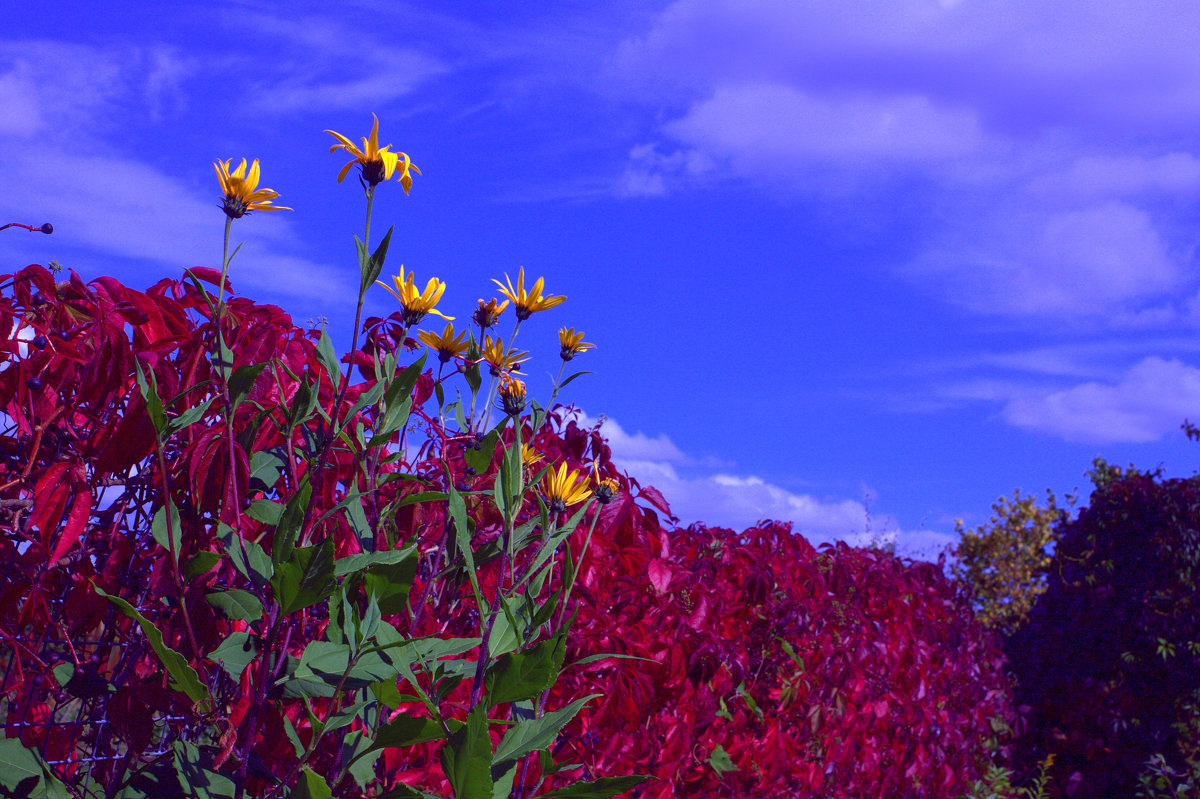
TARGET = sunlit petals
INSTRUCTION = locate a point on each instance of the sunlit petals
(489, 312)
(502, 362)
(512, 395)
(564, 488)
(376, 163)
(572, 343)
(605, 487)
(447, 345)
(241, 192)
(416, 303)
(526, 302)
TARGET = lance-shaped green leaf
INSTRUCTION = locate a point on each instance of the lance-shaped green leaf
(530, 736)
(467, 757)
(236, 604)
(149, 391)
(253, 562)
(290, 521)
(462, 536)
(242, 380)
(602, 788)
(365, 560)
(524, 675)
(480, 459)
(371, 267)
(311, 785)
(235, 653)
(328, 358)
(183, 677)
(305, 579)
(170, 537)
(195, 766)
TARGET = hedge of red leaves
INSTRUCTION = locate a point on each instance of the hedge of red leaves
(770, 668)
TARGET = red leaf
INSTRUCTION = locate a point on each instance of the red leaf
(655, 498)
(660, 575)
(210, 275)
(50, 499)
(81, 508)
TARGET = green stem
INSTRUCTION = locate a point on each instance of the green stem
(224, 262)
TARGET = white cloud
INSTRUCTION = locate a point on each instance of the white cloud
(1089, 262)
(635, 447)
(1150, 400)
(738, 501)
(763, 128)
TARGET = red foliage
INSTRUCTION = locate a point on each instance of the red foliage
(765, 667)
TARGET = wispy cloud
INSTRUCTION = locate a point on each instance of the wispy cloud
(720, 497)
(1149, 401)
(1042, 143)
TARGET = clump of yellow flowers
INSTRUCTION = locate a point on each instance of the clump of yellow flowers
(469, 348)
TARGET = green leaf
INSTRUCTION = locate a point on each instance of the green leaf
(159, 528)
(188, 418)
(525, 675)
(183, 677)
(407, 730)
(324, 663)
(236, 604)
(390, 584)
(374, 265)
(720, 761)
(149, 391)
(311, 785)
(290, 522)
(566, 382)
(255, 565)
(467, 757)
(19, 766)
(357, 752)
(265, 467)
(235, 653)
(194, 765)
(502, 779)
(462, 536)
(328, 358)
(267, 511)
(306, 579)
(242, 380)
(480, 459)
(596, 789)
(365, 560)
(529, 736)
(201, 562)
(221, 359)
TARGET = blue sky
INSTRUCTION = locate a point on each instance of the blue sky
(862, 266)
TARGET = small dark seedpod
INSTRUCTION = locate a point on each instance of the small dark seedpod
(40, 342)
(34, 383)
(62, 334)
(37, 300)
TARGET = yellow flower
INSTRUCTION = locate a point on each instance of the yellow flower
(606, 488)
(572, 343)
(416, 304)
(489, 312)
(564, 488)
(499, 360)
(530, 456)
(447, 344)
(512, 395)
(377, 163)
(526, 303)
(242, 194)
